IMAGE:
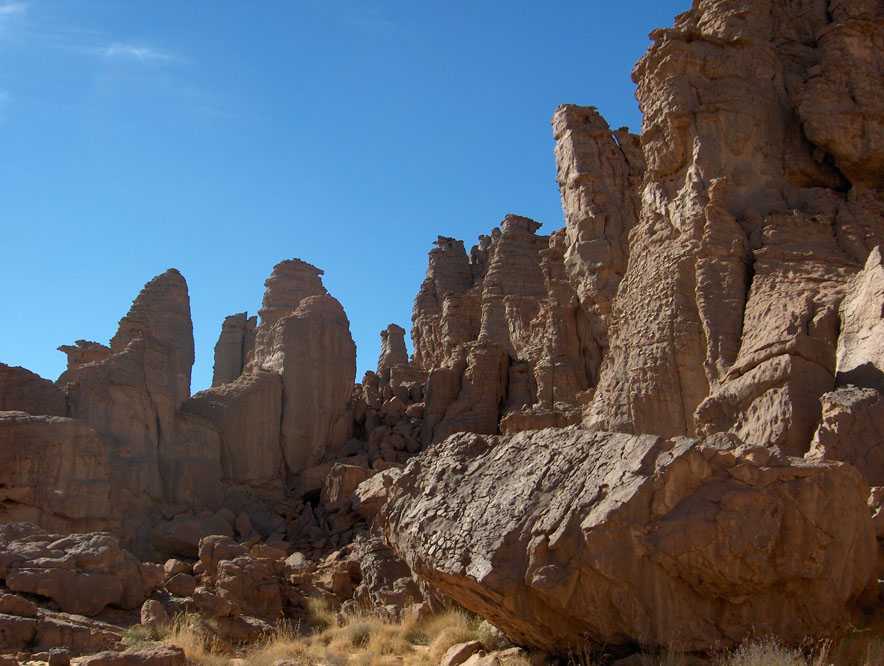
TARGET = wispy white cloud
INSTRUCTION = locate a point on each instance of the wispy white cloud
(13, 8)
(141, 53)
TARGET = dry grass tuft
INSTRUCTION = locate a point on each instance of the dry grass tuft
(362, 639)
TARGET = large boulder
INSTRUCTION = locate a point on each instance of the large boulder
(852, 429)
(82, 573)
(562, 535)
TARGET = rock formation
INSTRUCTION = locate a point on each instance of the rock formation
(234, 348)
(393, 352)
(652, 427)
(80, 353)
(25, 391)
(557, 536)
(749, 232)
(311, 349)
(55, 472)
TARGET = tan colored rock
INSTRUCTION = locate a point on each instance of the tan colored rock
(153, 614)
(82, 573)
(181, 585)
(746, 242)
(55, 472)
(852, 430)
(312, 350)
(839, 104)
(599, 175)
(458, 654)
(216, 548)
(559, 536)
(290, 283)
(340, 484)
(181, 536)
(393, 350)
(235, 347)
(444, 314)
(153, 576)
(81, 353)
(174, 566)
(161, 312)
(75, 633)
(371, 493)
(16, 633)
(130, 398)
(860, 353)
(162, 655)
(246, 413)
(251, 586)
(24, 391)
(13, 604)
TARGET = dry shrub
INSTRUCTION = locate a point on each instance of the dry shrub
(199, 646)
(448, 629)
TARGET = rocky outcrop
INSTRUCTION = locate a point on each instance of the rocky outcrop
(852, 429)
(82, 573)
(160, 314)
(500, 332)
(246, 413)
(312, 350)
(559, 536)
(55, 472)
(749, 232)
(393, 352)
(80, 353)
(860, 352)
(599, 174)
(24, 391)
(234, 348)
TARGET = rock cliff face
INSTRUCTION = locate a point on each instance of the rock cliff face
(751, 224)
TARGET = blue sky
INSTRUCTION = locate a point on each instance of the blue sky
(222, 137)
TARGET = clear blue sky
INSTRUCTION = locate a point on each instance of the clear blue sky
(220, 137)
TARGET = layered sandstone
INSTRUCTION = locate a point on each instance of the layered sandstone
(559, 536)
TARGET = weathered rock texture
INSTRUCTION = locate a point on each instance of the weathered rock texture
(234, 348)
(599, 175)
(24, 391)
(501, 332)
(860, 352)
(557, 536)
(80, 353)
(55, 472)
(312, 350)
(82, 573)
(754, 219)
(393, 352)
(852, 429)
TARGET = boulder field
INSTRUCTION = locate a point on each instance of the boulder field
(661, 425)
